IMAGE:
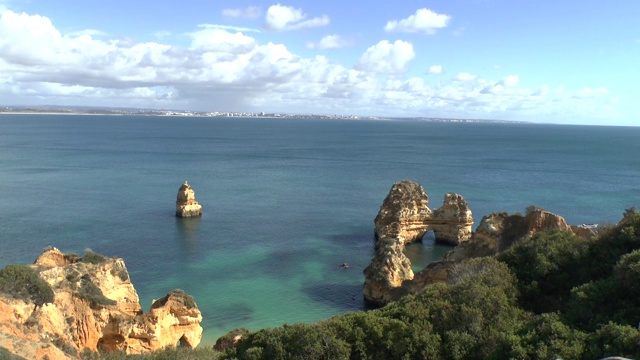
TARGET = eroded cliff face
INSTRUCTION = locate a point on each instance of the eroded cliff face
(495, 233)
(186, 204)
(386, 273)
(404, 218)
(453, 222)
(95, 307)
(403, 213)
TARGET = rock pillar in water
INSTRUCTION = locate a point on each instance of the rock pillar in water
(186, 204)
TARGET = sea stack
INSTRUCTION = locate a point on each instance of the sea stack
(186, 204)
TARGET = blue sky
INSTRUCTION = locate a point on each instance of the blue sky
(574, 62)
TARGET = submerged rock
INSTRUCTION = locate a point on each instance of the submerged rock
(94, 307)
(186, 204)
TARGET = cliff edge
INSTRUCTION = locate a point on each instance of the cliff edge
(65, 304)
(404, 217)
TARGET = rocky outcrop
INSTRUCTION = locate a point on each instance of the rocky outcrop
(389, 269)
(453, 222)
(495, 233)
(96, 307)
(186, 204)
(403, 213)
(405, 217)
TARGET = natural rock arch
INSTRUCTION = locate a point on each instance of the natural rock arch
(404, 217)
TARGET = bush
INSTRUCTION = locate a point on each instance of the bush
(170, 353)
(546, 337)
(547, 267)
(93, 258)
(466, 319)
(613, 340)
(22, 282)
(90, 292)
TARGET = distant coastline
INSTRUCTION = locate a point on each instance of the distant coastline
(59, 110)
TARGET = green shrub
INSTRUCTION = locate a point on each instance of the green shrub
(120, 272)
(547, 337)
(613, 340)
(90, 292)
(169, 353)
(547, 267)
(22, 282)
(93, 258)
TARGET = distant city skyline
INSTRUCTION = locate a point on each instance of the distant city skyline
(572, 62)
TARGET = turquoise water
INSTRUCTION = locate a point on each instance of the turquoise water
(285, 201)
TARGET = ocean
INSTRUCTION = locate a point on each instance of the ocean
(285, 201)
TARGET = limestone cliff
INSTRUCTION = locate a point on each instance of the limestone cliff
(453, 222)
(403, 213)
(94, 307)
(186, 204)
(405, 217)
(495, 233)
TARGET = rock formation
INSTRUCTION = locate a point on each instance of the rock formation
(404, 218)
(404, 215)
(388, 271)
(94, 307)
(186, 204)
(495, 233)
(452, 223)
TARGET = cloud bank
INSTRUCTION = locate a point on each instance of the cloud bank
(223, 69)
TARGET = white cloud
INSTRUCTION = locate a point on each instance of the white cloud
(511, 81)
(387, 58)
(90, 32)
(212, 38)
(283, 18)
(329, 42)
(435, 69)
(424, 20)
(465, 77)
(225, 70)
(251, 12)
(228, 27)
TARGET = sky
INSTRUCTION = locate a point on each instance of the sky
(569, 61)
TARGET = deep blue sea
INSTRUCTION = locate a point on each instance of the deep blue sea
(285, 201)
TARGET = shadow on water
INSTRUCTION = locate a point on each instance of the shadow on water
(359, 244)
(425, 252)
(340, 296)
(286, 261)
(226, 316)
